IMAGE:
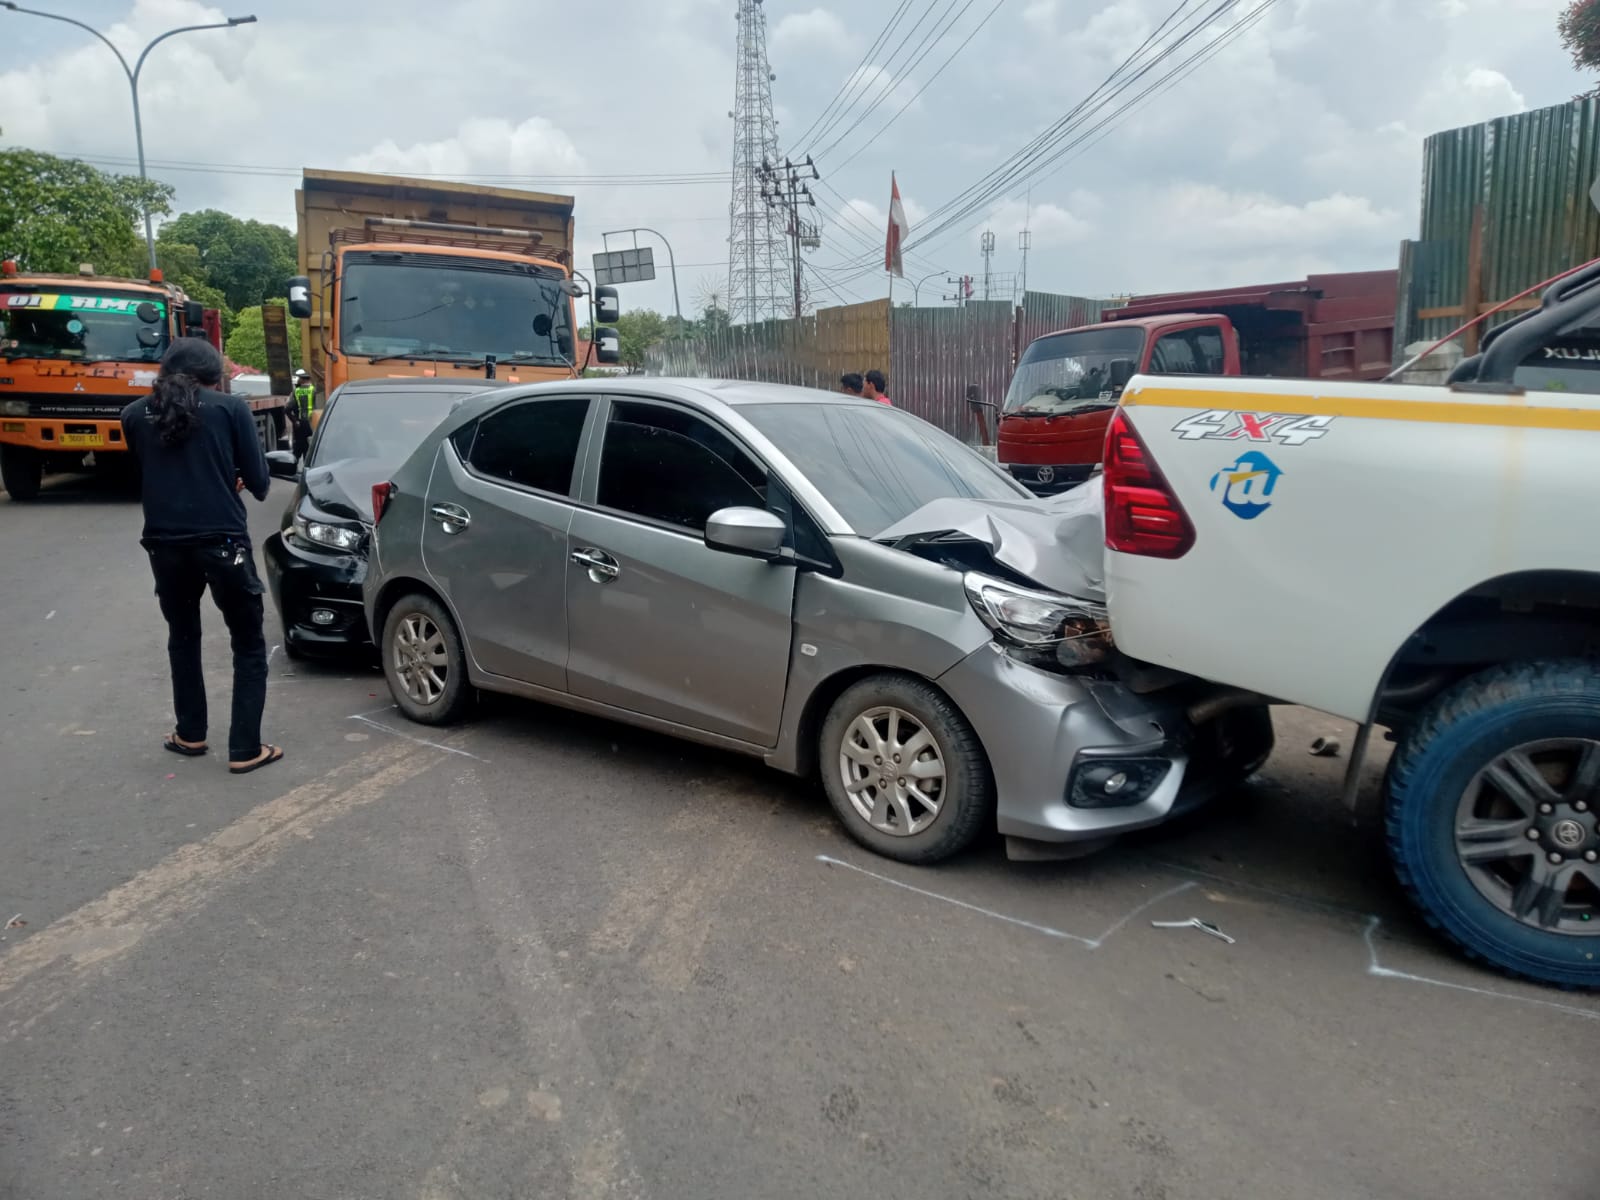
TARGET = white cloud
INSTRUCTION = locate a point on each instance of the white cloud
(814, 28)
(481, 146)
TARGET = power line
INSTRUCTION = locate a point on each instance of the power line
(247, 169)
(883, 35)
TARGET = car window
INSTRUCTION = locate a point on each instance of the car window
(669, 465)
(533, 444)
(1188, 352)
(383, 426)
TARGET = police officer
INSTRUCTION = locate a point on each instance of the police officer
(305, 398)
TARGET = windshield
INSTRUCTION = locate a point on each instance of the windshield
(877, 465)
(1567, 366)
(382, 425)
(431, 311)
(1071, 372)
(83, 326)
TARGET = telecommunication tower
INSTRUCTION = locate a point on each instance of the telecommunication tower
(759, 270)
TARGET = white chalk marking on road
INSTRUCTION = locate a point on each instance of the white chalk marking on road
(50, 616)
(1379, 971)
(1049, 931)
(417, 740)
(184, 881)
(270, 654)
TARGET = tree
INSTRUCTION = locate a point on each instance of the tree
(247, 345)
(56, 213)
(1579, 27)
(180, 263)
(247, 261)
(637, 332)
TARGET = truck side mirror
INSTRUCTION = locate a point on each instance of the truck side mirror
(607, 305)
(607, 347)
(300, 298)
(1121, 372)
(194, 318)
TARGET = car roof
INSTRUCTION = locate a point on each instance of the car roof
(410, 383)
(735, 393)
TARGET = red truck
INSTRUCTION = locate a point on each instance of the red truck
(1053, 423)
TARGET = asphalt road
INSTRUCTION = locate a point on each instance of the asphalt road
(547, 956)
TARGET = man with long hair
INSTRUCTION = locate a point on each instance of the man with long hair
(197, 451)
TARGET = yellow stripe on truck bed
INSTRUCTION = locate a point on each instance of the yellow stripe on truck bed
(1438, 412)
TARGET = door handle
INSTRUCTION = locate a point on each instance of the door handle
(453, 517)
(602, 567)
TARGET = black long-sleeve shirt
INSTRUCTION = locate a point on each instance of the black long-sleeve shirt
(189, 490)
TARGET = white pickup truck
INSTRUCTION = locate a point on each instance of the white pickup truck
(1425, 559)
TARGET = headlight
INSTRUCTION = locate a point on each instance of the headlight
(1026, 617)
(339, 537)
(14, 408)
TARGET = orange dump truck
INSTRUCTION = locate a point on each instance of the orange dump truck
(415, 277)
(74, 351)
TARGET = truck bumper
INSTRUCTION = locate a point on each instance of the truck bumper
(64, 435)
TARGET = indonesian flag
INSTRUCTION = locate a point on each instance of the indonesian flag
(898, 231)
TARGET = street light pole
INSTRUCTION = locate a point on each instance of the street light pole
(918, 288)
(672, 262)
(133, 84)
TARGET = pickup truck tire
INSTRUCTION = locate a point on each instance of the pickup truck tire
(1494, 819)
(21, 471)
(935, 793)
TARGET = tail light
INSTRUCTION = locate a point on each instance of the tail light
(381, 494)
(1143, 515)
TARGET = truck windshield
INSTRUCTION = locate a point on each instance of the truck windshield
(1071, 372)
(409, 309)
(82, 325)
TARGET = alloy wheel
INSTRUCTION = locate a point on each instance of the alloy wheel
(893, 771)
(420, 661)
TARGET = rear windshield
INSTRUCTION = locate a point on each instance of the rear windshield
(386, 426)
(877, 465)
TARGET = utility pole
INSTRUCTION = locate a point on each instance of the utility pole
(988, 253)
(788, 188)
(1025, 243)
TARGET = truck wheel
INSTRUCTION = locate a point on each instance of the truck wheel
(21, 470)
(904, 770)
(1494, 819)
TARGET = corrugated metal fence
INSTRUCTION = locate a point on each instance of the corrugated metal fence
(933, 356)
(1505, 205)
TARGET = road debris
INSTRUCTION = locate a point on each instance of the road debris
(1196, 923)
(16, 922)
(1325, 747)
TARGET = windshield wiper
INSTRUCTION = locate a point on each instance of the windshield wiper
(469, 359)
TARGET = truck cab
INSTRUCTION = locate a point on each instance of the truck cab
(74, 351)
(1067, 384)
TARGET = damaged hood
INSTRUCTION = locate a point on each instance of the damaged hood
(1058, 542)
(344, 488)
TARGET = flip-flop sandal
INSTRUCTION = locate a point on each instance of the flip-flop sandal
(171, 743)
(274, 753)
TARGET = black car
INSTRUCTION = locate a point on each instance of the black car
(318, 558)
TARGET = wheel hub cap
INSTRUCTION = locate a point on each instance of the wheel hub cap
(1528, 838)
(893, 771)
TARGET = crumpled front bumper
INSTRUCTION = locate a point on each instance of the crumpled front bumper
(304, 582)
(1054, 740)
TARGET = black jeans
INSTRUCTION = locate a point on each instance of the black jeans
(183, 571)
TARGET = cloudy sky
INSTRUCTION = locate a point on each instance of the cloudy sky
(1296, 148)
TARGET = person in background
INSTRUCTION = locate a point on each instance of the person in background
(305, 399)
(876, 384)
(197, 450)
(850, 384)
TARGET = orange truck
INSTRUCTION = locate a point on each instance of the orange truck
(74, 351)
(410, 277)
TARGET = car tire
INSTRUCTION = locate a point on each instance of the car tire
(891, 713)
(424, 662)
(1469, 780)
(21, 471)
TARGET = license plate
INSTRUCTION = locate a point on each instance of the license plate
(82, 439)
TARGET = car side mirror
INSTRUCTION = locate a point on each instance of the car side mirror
(753, 532)
(1121, 372)
(281, 464)
(607, 305)
(300, 298)
(607, 347)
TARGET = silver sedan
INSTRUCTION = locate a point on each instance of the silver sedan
(830, 584)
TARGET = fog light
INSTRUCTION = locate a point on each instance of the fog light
(323, 616)
(1115, 783)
